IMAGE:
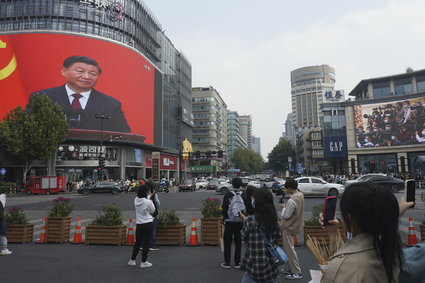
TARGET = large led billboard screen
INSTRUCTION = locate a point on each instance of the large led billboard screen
(86, 76)
(390, 124)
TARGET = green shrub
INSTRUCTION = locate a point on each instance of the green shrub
(167, 218)
(109, 215)
(211, 208)
(15, 215)
(62, 207)
(5, 187)
(314, 220)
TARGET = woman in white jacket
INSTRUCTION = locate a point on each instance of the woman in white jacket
(3, 239)
(144, 222)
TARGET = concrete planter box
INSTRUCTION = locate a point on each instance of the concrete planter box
(57, 229)
(210, 231)
(172, 235)
(20, 233)
(112, 235)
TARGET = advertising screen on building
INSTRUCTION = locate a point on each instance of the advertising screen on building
(86, 76)
(390, 124)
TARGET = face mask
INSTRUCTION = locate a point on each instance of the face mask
(385, 121)
(423, 133)
(367, 132)
(387, 128)
(366, 140)
(393, 138)
(375, 130)
(253, 202)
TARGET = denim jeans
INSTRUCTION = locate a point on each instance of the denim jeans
(247, 279)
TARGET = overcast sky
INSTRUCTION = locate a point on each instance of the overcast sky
(246, 49)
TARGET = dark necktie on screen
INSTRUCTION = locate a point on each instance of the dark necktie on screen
(76, 102)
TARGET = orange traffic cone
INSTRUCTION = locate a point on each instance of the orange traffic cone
(78, 237)
(193, 235)
(43, 238)
(130, 233)
(411, 237)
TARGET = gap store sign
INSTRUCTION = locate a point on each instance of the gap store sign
(335, 146)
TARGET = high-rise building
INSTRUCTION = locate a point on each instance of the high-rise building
(289, 132)
(308, 87)
(210, 128)
(256, 144)
(121, 33)
(234, 139)
(245, 122)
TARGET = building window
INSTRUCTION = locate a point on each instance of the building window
(379, 92)
(403, 89)
(420, 86)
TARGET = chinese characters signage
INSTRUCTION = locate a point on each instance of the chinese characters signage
(112, 8)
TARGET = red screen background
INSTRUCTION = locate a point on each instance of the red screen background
(126, 74)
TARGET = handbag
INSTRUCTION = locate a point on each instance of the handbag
(277, 254)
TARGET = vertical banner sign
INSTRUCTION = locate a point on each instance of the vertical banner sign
(155, 166)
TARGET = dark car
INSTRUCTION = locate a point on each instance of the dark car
(394, 184)
(101, 187)
(187, 185)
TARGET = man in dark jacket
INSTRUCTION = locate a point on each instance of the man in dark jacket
(232, 226)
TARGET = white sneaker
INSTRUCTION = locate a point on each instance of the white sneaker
(132, 262)
(145, 264)
(5, 252)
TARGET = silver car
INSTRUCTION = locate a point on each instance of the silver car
(317, 187)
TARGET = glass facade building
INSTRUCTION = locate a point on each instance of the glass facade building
(124, 22)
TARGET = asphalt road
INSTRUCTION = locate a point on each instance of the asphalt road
(102, 263)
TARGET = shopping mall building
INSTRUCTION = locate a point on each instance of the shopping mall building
(141, 69)
(386, 125)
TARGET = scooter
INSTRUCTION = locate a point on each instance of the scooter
(163, 187)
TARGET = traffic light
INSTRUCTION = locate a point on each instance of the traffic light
(372, 162)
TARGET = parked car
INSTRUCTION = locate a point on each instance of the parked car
(223, 188)
(201, 183)
(187, 185)
(317, 187)
(394, 184)
(101, 187)
(273, 182)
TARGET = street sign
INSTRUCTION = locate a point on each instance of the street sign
(155, 166)
(2, 171)
(300, 168)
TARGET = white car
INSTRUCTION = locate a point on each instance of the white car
(201, 183)
(317, 187)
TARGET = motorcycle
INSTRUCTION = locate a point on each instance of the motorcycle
(163, 187)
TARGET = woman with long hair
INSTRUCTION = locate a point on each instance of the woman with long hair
(257, 263)
(144, 223)
(374, 254)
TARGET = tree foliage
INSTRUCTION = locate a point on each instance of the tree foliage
(278, 157)
(247, 160)
(32, 134)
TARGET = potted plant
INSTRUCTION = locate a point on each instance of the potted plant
(211, 221)
(19, 230)
(59, 220)
(170, 230)
(313, 228)
(107, 228)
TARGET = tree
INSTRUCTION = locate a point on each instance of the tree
(32, 134)
(247, 160)
(278, 157)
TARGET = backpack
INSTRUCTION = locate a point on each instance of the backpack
(235, 207)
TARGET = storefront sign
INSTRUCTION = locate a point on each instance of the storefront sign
(335, 147)
(168, 162)
(155, 166)
(203, 169)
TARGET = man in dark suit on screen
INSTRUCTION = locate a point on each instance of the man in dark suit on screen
(81, 102)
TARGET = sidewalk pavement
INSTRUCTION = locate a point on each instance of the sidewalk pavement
(104, 263)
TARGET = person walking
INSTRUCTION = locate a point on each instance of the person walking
(157, 203)
(291, 221)
(144, 222)
(232, 206)
(257, 262)
(3, 240)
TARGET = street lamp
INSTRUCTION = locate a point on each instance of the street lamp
(101, 159)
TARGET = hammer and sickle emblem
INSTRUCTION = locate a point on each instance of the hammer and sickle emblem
(11, 66)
